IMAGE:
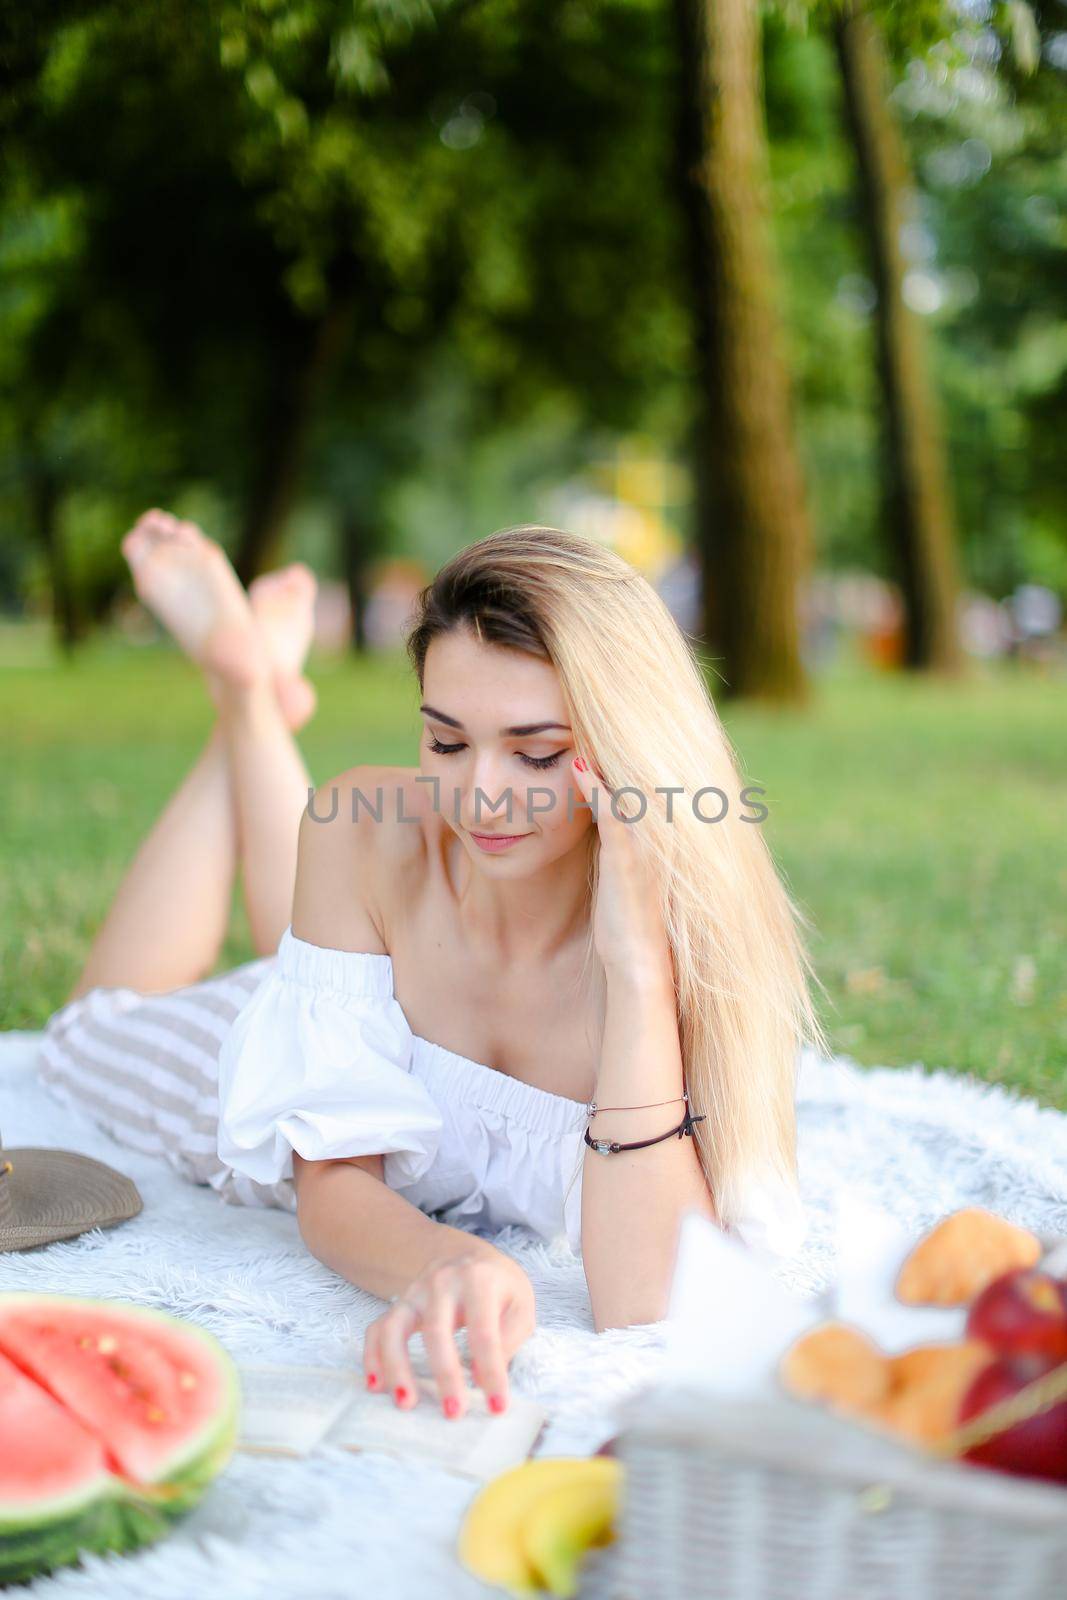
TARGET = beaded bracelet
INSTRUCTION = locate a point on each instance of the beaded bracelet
(609, 1147)
(592, 1108)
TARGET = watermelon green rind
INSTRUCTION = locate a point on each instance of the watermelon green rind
(133, 1515)
(187, 1456)
(120, 1520)
(64, 1543)
(116, 1517)
(113, 1512)
(16, 1548)
(114, 1525)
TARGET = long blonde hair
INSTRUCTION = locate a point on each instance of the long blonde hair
(640, 707)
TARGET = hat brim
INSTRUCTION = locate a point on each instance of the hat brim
(58, 1194)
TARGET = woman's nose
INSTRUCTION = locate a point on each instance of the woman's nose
(490, 795)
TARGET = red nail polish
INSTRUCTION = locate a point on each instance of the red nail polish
(372, 1380)
(401, 1393)
(496, 1402)
(451, 1406)
(579, 763)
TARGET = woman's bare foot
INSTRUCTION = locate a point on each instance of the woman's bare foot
(283, 604)
(186, 580)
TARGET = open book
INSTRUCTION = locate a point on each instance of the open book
(292, 1410)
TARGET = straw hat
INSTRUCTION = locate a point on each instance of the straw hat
(55, 1194)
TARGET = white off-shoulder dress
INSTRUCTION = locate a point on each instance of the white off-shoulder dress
(309, 1050)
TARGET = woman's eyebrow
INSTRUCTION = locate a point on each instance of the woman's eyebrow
(520, 732)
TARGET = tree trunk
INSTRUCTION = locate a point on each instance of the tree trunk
(44, 495)
(752, 527)
(354, 557)
(917, 511)
(305, 358)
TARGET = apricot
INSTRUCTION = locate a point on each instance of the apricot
(938, 1365)
(1034, 1448)
(836, 1363)
(1022, 1313)
(926, 1388)
(958, 1258)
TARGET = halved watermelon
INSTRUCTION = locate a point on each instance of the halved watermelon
(114, 1420)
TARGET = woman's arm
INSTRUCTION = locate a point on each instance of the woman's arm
(632, 1202)
(355, 1224)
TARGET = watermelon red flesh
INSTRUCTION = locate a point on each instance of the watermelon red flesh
(51, 1467)
(153, 1391)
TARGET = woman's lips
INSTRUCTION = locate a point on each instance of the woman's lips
(493, 843)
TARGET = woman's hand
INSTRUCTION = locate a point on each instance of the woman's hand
(628, 929)
(485, 1292)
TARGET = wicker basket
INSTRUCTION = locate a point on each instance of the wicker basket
(773, 1499)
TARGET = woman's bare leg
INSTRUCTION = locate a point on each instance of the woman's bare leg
(269, 784)
(268, 779)
(168, 919)
(239, 803)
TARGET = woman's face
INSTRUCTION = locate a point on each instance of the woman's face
(473, 694)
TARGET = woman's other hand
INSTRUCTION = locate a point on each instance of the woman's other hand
(483, 1291)
(628, 930)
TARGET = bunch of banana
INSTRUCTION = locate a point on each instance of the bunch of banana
(529, 1529)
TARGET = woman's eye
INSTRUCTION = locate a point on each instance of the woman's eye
(540, 762)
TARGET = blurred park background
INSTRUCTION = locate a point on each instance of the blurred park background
(770, 297)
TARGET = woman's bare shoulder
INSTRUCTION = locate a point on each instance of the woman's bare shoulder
(387, 799)
(361, 834)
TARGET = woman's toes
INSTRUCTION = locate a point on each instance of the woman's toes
(186, 580)
(143, 536)
(300, 578)
(158, 528)
(133, 546)
(155, 519)
(189, 535)
(156, 524)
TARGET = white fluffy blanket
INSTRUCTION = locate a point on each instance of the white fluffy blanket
(338, 1524)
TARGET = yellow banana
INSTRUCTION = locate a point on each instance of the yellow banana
(566, 1521)
(490, 1544)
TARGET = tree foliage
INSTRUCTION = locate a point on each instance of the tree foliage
(301, 255)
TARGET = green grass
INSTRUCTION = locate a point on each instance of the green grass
(920, 827)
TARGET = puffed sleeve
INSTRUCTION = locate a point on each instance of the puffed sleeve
(573, 1166)
(319, 1061)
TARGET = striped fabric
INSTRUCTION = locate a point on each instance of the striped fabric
(144, 1067)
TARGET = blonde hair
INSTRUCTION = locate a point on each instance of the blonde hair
(640, 707)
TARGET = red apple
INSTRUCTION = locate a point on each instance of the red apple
(1035, 1448)
(1021, 1313)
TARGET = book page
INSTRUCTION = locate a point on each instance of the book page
(478, 1445)
(292, 1410)
(288, 1410)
